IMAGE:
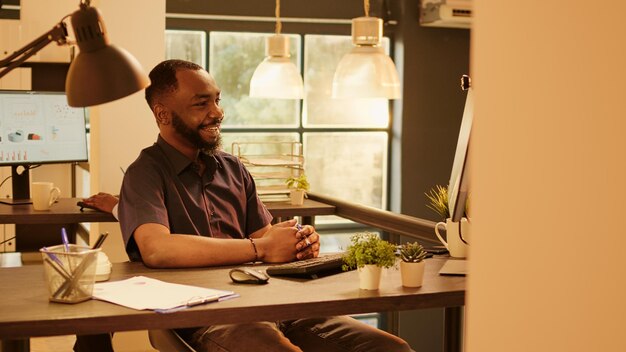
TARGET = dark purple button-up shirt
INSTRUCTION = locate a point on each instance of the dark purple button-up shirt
(162, 186)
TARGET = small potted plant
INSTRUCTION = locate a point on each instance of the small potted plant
(298, 187)
(412, 264)
(368, 253)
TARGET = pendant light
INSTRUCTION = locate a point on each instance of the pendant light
(277, 77)
(366, 71)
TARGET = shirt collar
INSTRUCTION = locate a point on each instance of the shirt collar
(180, 162)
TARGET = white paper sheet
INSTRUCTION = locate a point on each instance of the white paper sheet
(142, 292)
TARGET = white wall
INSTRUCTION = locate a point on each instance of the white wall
(548, 178)
(120, 129)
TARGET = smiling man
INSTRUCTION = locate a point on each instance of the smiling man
(186, 203)
(185, 185)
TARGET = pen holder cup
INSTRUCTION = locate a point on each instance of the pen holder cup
(70, 275)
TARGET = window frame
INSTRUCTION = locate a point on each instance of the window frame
(299, 26)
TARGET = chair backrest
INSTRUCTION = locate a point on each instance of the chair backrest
(168, 341)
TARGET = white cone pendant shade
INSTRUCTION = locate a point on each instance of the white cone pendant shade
(277, 77)
(366, 71)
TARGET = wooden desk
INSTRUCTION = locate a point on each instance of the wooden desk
(309, 210)
(26, 311)
(66, 211)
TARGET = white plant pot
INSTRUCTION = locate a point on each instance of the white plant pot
(297, 196)
(412, 273)
(369, 277)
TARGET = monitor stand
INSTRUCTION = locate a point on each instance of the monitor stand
(454, 266)
(21, 186)
(12, 201)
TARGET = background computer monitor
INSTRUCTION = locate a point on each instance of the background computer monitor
(458, 188)
(38, 128)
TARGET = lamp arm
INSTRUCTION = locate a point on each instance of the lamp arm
(57, 34)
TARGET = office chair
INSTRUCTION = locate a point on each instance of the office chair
(168, 341)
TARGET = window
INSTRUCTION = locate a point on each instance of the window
(322, 54)
(345, 140)
(348, 165)
(186, 45)
(233, 57)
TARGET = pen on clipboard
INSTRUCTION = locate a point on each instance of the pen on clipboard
(202, 300)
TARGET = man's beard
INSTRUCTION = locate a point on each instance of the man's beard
(193, 135)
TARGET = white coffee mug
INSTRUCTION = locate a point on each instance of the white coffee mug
(455, 244)
(44, 194)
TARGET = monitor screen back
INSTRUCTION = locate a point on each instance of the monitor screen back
(458, 188)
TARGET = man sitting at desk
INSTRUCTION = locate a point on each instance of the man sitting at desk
(185, 203)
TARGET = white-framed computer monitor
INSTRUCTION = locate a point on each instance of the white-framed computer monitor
(458, 188)
(38, 128)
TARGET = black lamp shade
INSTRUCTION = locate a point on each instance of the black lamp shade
(102, 76)
(101, 72)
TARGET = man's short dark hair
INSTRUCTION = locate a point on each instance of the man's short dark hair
(163, 78)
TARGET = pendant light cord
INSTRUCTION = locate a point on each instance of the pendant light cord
(366, 5)
(278, 24)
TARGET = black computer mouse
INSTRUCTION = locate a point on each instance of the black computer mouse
(248, 276)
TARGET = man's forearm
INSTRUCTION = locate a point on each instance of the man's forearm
(185, 251)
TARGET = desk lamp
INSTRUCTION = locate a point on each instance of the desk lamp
(366, 71)
(100, 73)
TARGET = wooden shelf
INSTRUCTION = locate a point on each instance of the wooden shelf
(48, 76)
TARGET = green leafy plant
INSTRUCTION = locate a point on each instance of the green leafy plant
(368, 248)
(300, 182)
(412, 252)
(438, 201)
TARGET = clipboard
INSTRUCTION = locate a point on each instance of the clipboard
(144, 293)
